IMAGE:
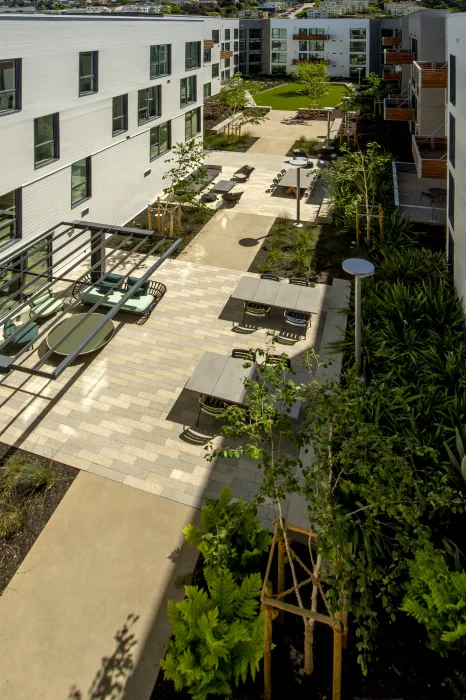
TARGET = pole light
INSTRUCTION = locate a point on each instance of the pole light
(359, 268)
(329, 111)
(299, 163)
(360, 70)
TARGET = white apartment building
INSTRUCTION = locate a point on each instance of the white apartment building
(89, 110)
(221, 52)
(348, 45)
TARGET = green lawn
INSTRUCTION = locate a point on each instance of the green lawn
(289, 96)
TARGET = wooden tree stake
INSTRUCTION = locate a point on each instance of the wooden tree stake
(179, 218)
(158, 213)
(381, 221)
(268, 644)
(337, 654)
(163, 222)
(171, 224)
(281, 572)
(149, 218)
(357, 225)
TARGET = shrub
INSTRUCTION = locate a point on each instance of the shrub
(224, 142)
(28, 477)
(11, 520)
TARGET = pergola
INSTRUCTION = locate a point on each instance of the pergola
(73, 245)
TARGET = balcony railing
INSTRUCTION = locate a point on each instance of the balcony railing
(393, 58)
(430, 156)
(428, 74)
(225, 54)
(208, 44)
(409, 199)
(391, 41)
(397, 109)
(310, 60)
(310, 37)
(390, 75)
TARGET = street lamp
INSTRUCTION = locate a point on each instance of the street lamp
(360, 70)
(328, 111)
(299, 163)
(358, 268)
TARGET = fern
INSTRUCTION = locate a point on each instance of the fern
(436, 598)
(217, 635)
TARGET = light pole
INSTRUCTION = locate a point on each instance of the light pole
(360, 70)
(329, 111)
(299, 163)
(359, 268)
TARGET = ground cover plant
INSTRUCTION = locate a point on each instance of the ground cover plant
(305, 144)
(221, 141)
(292, 96)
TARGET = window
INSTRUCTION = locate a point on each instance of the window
(10, 207)
(226, 47)
(278, 69)
(235, 46)
(235, 33)
(303, 45)
(255, 45)
(357, 33)
(452, 140)
(193, 55)
(357, 46)
(452, 68)
(149, 104)
(80, 181)
(451, 200)
(192, 123)
(207, 90)
(159, 140)
(278, 45)
(187, 90)
(242, 34)
(316, 46)
(10, 85)
(215, 69)
(160, 60)
(207, 55)
(120, 114)
(255, 33)
(357, 59)
(222, 78)
(227, 75)
(215, 36)
(39, 259)
(255, 57)
(88, 65)
(227, 63)
(356, 72)
(278, 33)
(227, 35)
(46, 141)
(302, 57)
(278, 57)
(242, 45)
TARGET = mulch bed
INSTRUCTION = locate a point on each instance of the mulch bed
(241, 148)
(36, 512)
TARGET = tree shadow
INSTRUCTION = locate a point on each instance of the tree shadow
(110, 680)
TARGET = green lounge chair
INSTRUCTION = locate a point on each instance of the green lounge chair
(45, 305)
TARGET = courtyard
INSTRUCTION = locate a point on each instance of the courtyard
(292, 96)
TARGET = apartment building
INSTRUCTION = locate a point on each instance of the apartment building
(349, 46)
(221, 52)
(89, 110)
(333, 8)
(400, 9)
(456, 162)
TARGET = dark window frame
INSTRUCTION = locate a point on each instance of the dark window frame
(216, 36)
(151, 63)
(17, 89)
(204, 90)
(158, 101)
(215, 67)
(55, 140)
(207, 55)
(452, 139)
(451, 200)
(88, 194)
(452, 79)
(169, 140)
(122, 130)
(18, 218)
(189, 80)
(188, 116)
(188, 59)
(94, 75)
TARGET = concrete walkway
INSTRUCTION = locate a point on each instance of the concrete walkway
(86, 612)
(230, 239)
(280, 130)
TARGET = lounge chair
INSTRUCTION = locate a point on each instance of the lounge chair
(267, 276)
(299, 153)
(26, 335)
(245, 170)
(232, 197)
(46, 304)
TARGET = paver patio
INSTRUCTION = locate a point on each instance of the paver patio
(124, 413)
(280, 130)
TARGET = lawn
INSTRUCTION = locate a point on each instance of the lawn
(291, 96)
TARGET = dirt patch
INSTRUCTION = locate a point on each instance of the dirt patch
(36, 510)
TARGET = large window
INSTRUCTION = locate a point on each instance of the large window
(278, 33)
(452, 140)
(356, 46)
(278, 57)
(10, 85)
(235, 46)
(46, 140)
(279, 45)
(303, 45)
(279, 69)
(255, 33)
(451, 200)
(193, 54)
(357, 33)
(39, 260)
(216, 36)
(88, 72)
(187, 90)
(192, 123)
(10, 206)
(357, 59)
(215, 70)
(316, 46)
(235, 33)
(227, 35)
(120, 114)
(227, 63)
(255, 57)
(80, 181)
(207, 90)
(255, 45)
(207, 55)
(452, 68)
(159, 140)
(159, 60)
(149, 104)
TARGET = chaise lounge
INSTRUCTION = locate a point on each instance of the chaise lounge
(244, 173)
(141, 303)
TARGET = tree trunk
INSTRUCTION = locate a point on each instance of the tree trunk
(309, 625)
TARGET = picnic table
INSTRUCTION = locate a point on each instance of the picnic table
(292, 297)
(290, 180)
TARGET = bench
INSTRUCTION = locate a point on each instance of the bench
(245, 170)
(144, 300)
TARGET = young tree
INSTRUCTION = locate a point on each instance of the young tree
(315, 80)
(187, 176)
(238, 95)
(376, 89)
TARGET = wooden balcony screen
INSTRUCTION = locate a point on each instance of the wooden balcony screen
(425, 150)
(393, 58)
(430, 75)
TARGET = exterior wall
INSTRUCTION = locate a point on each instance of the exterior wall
(456, 245)
(124, 180)
(219, 23)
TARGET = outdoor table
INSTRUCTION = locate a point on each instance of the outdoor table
(282, 295)
(290, 180)
(223, 186)
(438, 192)
(223, 377)
(100, 339)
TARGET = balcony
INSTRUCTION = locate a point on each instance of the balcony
(225, 54)
(208, 44)
(394, 58)
(428, 74)
(397, 109)
(430, 156)
(409, 198)
(391, 75)
(391, 41)
(311, 60)
(310, 37)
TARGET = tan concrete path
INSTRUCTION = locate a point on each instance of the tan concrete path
(105, 555)
(230, 239)
(280, 130)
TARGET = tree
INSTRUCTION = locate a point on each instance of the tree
(237, 94)
(315, 80)
(376, 89)
(187, 176)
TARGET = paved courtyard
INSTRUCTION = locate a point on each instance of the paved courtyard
(124, 413)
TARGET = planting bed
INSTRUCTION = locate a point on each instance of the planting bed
(36, 510)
